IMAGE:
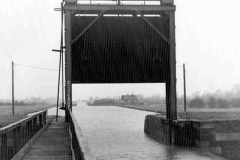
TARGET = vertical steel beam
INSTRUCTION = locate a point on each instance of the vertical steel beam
(168, 100)
(68, 71)
(173, 99)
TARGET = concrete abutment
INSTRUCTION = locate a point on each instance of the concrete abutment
(221, 137)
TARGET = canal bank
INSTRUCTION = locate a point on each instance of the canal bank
(220, 136)
(148, 108)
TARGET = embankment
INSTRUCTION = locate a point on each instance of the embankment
(149, 108)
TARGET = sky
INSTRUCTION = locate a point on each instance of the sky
(207, 41)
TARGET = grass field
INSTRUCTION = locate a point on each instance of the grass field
(193, 113)
(20, 112)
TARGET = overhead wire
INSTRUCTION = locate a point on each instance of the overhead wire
(49, 69)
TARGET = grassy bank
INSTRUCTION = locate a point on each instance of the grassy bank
(20, 112)
(149, 108)
(200, 114)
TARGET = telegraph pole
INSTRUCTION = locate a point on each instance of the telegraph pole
(61, 48)
(184, 84)
(12, 88)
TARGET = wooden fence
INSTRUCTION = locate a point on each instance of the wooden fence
(14, 136)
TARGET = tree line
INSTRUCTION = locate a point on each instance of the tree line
(217, 99)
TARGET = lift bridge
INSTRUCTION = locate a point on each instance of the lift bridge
(121, 42)
(105, 42)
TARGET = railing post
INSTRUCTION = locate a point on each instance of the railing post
(24, 134)
(31, 128)
(40, 121)
(9, 143)
(34, 125)
(16, 140)
(4, 150)
(44, 118)
(21, 135)
(28, 131)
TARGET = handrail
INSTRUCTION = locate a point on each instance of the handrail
(18, 123)
(81, 150)
(16, 135)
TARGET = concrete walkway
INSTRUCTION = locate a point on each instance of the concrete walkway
(53, 144)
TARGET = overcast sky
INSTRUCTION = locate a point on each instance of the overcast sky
(207, 38)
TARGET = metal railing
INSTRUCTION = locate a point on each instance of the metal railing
(15, 136)
(80, 148)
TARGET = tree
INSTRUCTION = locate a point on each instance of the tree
(196, 94)
(222, 103)
(211, 102)
(90, 99)
(155, 99)
(96, 98)
(236, 90)
(235, 102)
(140, 97)
(196, 103)
(206, 95)
(180, 100)
(218, 93)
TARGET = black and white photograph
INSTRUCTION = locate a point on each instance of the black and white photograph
(119, 80)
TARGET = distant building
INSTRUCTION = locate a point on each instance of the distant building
(129, 99)
(91, 100)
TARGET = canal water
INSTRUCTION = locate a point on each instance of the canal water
(118, 133)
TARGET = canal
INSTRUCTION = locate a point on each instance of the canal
(118, 133)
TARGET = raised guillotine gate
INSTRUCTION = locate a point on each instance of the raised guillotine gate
(121, 43)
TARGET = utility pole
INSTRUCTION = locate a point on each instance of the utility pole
(12, 88)
(184, 84)
(61, 45)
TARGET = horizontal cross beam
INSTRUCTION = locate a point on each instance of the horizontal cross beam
(119, 7)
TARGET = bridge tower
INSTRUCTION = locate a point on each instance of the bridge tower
(121, 42)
